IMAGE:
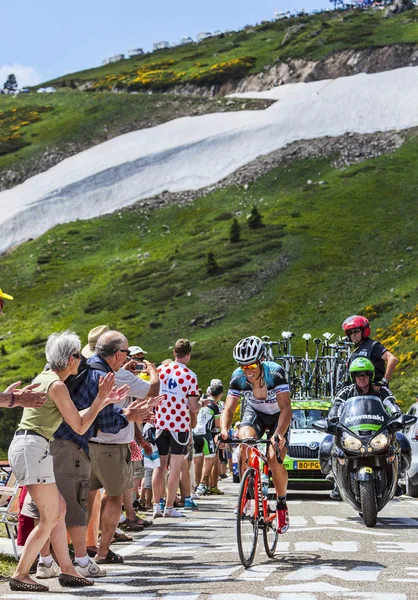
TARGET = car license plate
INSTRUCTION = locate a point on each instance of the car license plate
(306, 465)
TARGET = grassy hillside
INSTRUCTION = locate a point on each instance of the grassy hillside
(252, 50)
(327, 250)
(70, 121)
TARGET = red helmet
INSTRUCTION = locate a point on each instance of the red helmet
(357, 321)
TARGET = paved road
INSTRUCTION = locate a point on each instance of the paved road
(327, 553)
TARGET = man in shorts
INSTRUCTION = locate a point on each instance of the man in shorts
(172, 421)
(204, 445)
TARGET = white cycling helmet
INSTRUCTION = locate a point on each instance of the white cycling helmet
(249, 350)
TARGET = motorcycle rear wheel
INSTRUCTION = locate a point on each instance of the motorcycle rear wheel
(368, 502)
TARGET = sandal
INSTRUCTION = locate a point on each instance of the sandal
(143, 522)
(92, 553)
(132, 525)
(121, 537)
(71, 581)
(21, 586)
(111, 559)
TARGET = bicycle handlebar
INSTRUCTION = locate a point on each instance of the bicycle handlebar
(250, 442)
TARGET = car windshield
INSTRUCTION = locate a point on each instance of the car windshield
(303, 418)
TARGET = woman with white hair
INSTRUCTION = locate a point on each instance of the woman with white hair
(31, 461)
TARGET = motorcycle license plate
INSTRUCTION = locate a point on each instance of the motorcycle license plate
(306, 465)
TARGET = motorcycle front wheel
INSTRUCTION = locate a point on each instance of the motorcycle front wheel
(368, 502)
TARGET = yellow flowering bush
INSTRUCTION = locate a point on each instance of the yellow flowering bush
(221, 72)
(11, 123)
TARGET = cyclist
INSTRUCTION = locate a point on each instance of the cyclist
(264, 387)
(362, 374)
(357, 329)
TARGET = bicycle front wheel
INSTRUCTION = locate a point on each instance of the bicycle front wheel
(247, 517)
(270, 533)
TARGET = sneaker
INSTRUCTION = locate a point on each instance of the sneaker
(157, 512)
(194, 495)
(246, 507)
(224, 476)
(190, 504)
(172, 512)
(282, 520)
(44, 572)
(92, 569)
(202, 490)
(215, 491)
(335, 494)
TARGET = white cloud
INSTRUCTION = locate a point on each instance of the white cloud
(25, 75)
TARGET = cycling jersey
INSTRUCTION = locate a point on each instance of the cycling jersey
(206, 417)
(275, 380)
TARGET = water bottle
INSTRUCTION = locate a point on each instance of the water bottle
(265, 481)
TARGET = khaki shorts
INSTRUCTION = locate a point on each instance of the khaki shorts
(72, 474)
(111, 468)
(139, 469)
(31, 460)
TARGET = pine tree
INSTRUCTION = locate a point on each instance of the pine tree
(211, 264)
(11, 83)
(255, 220)
(234, 231)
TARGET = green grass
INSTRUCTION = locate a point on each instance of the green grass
(338, 254)
(76, 121)
(320, 36)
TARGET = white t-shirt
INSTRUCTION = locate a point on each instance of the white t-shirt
(177, 382)
(138, 389)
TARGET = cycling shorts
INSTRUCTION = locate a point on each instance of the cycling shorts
(262, 423)
(173, 442)
(204, 445)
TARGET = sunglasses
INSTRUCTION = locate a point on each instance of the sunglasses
(351, 331)
(76, 355)
(128, 352)
(249, 367)
(363, 374)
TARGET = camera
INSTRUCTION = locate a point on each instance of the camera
(139, 367)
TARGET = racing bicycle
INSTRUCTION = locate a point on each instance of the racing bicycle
(255, 509)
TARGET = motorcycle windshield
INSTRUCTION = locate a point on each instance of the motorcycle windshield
(364, 415)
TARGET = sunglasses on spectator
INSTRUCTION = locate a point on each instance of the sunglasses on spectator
(351, 331)
(249, 367)
(128, 352)
(76, 355)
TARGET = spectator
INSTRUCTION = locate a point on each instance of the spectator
(179, 386)
(31, 461)
(70, 449)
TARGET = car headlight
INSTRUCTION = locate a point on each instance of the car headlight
(379, 442)
(351, 443)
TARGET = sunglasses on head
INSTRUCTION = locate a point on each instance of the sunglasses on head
(249, 367)
(351, 331)
(76, 355)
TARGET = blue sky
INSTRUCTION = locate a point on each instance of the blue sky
(54, 38)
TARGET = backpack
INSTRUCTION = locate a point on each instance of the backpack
(74, 381)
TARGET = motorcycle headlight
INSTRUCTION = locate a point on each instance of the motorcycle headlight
(351, 443)
(380, 442)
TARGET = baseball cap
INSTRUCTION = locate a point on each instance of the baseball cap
(136, 350)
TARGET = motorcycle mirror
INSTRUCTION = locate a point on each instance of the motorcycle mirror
(325, 425)
(408, 420)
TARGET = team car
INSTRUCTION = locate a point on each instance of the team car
(302, 461)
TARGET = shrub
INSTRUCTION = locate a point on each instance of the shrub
(234, 231)
(211, 264)
(255, 220)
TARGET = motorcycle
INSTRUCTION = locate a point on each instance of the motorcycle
(365, 453)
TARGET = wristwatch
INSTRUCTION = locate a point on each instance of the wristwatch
(385, 381)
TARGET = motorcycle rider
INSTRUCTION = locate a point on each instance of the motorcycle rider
(357, 329)
(362, 374)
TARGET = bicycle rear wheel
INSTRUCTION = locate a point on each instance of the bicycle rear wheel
(247, 517)
(270, 533)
